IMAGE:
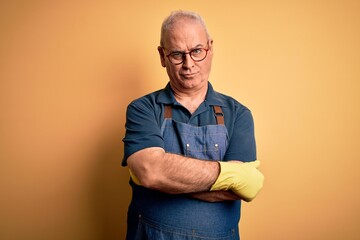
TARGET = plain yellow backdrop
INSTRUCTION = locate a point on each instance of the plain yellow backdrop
(68, 69)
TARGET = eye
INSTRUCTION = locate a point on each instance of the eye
(177, 55)
(197, 51)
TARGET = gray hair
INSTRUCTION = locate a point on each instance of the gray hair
(174, 17)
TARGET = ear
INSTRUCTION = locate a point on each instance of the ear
(211, 42)
(162, 56)
(211, 48)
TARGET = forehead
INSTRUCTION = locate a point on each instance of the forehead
(185, 33)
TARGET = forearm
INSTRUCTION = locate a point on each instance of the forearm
(172, 173)
(176, 174)
(216, 196)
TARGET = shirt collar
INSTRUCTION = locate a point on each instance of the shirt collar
(166, 96)
(212, 97)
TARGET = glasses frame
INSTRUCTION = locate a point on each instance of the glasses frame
(184, 54)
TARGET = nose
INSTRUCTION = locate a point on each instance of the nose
(188, 61)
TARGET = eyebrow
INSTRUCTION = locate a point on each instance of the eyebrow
(197, 46)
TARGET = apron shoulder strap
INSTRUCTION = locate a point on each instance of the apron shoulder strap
(219, 115)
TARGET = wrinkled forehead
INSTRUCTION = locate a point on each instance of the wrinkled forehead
(186, 32)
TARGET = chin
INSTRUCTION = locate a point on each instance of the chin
(191, 83)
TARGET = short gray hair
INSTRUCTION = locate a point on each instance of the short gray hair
(175, 16)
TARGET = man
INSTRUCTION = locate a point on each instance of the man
(190, 150)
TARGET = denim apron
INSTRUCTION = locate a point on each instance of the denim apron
(154, 215)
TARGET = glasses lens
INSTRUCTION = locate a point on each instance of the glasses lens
(176, 57)
(198, 54)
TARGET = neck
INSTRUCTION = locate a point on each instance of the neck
(190, 99)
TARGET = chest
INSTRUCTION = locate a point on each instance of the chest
(208, 141)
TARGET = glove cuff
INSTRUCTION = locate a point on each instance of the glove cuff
(223, 182)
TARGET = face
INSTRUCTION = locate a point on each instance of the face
(187, 35)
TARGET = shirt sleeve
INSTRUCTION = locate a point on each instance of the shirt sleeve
(242, 144)
(142, 128)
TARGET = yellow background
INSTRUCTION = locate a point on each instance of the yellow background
(68, 69)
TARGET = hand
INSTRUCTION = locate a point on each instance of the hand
(244, 179)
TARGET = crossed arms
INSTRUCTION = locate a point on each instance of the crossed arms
(205, 180)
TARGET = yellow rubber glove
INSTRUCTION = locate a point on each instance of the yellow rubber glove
(134, 178)
(244, 179)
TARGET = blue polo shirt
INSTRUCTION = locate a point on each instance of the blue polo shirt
(145, 115)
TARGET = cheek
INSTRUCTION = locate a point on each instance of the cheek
(206, 69)
(209, 67)
(172, 70)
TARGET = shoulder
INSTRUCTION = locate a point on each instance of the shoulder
(146, 102)
(231, 104)
(237, 115)
(225, 101)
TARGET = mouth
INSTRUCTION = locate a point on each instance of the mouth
(188, 75)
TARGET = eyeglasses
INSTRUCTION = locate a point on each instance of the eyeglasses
(178, 57)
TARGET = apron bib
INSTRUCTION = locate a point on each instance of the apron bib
(155, 215)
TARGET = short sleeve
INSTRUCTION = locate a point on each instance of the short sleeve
(143, 129)
(242, 144)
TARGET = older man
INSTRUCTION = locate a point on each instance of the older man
(190, 150)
